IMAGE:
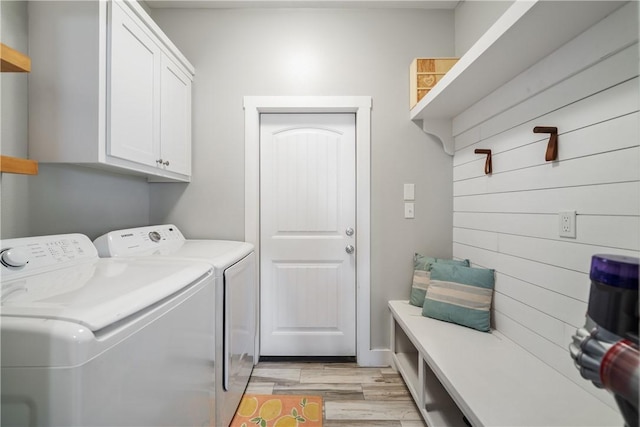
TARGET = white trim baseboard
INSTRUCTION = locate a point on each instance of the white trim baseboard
(376, 357)
(361, 106)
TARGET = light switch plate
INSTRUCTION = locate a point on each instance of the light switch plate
(409, 210)
(409, 191)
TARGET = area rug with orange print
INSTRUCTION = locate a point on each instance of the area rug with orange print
(269, 410)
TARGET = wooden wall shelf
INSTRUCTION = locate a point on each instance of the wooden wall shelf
(13, 61)
(19, 166)
(526, 33)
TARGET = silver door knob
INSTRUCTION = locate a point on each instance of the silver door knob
(349, 249)
(166, 163)
(349, 231)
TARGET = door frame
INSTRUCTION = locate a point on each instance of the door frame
(361, 107)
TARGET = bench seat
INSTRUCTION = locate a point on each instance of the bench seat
(484, 376)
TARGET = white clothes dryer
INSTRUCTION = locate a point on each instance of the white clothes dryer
(96, 342)
(234, 266)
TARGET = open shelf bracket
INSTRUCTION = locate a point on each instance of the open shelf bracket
(441, 130)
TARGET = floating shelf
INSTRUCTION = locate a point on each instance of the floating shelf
(526, 33)
(13, 61)
(17, 165)
(522, 36)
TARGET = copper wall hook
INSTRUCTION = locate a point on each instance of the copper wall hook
(552, 146)
(487, 165)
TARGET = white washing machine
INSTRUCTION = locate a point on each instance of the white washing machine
(103, 342)
(234, 266)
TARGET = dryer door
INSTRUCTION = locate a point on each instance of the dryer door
(240, 295)
(240, 326)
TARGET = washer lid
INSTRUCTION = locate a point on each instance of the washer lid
(99, 293)
(220, 253)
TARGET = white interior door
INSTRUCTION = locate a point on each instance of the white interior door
(307, 222)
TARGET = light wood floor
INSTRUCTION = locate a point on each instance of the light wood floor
(353, 396)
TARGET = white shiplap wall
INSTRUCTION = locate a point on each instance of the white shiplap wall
(508, 221)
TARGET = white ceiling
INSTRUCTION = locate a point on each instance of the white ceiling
(227, 4)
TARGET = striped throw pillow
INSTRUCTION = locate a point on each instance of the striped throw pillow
(460, 295)
(422, 267)
(419, 287)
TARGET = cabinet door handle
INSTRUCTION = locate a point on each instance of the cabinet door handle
(166, 163)
(159, 161)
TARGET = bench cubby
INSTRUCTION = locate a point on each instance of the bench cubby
(456, 373)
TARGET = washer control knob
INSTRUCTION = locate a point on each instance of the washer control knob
(14, 257)
(155, 236)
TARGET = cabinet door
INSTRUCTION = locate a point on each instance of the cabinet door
(175, 118)
(134, 91)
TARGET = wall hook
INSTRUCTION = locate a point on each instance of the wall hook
(487, 165)
(552, 146)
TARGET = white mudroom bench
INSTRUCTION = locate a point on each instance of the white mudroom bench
(453, 371)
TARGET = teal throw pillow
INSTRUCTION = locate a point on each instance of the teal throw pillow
(421, 272)
(460, 295)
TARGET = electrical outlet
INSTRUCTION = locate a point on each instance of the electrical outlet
(567, 224)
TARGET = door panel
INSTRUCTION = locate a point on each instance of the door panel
(307, 203)
(306, 182)
(307, 290)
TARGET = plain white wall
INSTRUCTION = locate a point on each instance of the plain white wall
(67, 199)
(315, 52)
(473, 18)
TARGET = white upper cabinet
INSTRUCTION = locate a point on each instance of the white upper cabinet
(175, 118)
(135, 93)
(119, 89)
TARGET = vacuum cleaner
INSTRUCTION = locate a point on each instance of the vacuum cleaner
(605, 350)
